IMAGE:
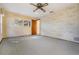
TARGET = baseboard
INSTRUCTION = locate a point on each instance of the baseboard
(16, 36)
(61, 39)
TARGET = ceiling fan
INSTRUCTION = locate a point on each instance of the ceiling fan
(39, 6)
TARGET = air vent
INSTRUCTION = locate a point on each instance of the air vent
(76, 38)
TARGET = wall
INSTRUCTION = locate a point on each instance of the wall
(62, 24)
(0, 24)
(0, 29)
(11, 29)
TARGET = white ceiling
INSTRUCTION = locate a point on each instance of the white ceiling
(27, 9)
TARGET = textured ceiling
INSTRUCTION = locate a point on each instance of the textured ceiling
(27, 9)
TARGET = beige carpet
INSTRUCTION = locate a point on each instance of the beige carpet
(38, 45)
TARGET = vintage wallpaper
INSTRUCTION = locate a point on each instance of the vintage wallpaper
(17, 26)
(63, 24)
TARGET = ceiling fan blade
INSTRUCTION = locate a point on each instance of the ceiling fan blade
(35, 9)
(42, 9)
(33, 4)
(45, 4)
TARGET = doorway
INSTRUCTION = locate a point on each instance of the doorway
(35, 27)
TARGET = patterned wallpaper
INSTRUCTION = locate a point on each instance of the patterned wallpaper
(11, 28)
(64, 24)
(16, 29)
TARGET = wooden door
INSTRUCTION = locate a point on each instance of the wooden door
(34, 27)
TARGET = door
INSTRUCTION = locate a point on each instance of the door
(35, 27)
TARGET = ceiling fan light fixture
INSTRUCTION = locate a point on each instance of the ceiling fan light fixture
(39, 6)
(45, 4)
